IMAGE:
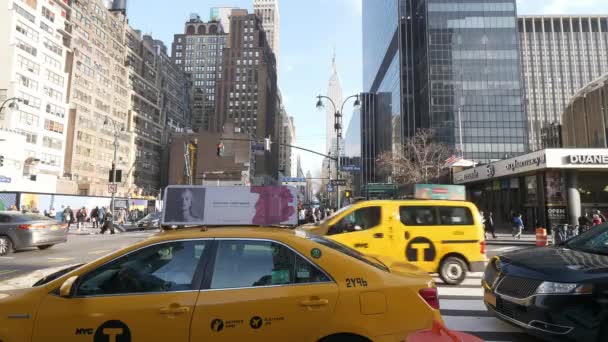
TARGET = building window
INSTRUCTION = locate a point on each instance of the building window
(26, 47)
(27, 15)
(53, 126)
(28, 119)
(53, 143)
(48, 14)
(27, 31)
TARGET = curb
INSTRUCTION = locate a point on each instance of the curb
(510, 243)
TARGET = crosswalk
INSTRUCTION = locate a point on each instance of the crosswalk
(462, 309)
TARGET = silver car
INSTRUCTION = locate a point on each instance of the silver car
(18, 231)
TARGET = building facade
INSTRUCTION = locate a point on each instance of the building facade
(424, 58)
(99, 93)
(560, 55)
(334, 92)
(268, 12)
(287, 163)
(36, 37)
(199, 52)
(585, 118)
(247, 93)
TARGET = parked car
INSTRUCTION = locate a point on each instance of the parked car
(151, 220)
(557, 292)
(19, 231)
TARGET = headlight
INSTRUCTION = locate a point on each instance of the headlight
(548, 287)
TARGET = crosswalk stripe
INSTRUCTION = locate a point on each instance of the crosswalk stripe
(5, 272)
(478, 324)
(459, 304)
(467, 282)
(445, 291)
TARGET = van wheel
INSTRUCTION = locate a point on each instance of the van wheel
(453, 270)
(6, 246)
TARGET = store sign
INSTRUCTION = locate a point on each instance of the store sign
(516, 164)
(557, 215)
(230, 206)
(440, 192)
(588, 160)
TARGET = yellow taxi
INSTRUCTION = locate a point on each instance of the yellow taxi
(446, 237)
(226, 284)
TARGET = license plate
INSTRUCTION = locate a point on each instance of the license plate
(490, 298)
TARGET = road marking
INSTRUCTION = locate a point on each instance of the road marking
(446, 292)
(54, 260)
(5, 272)
(478, 324)
(6, 257)
(467, 281)
(99, 252)
(462, 304)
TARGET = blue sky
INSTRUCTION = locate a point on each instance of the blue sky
(309, 31)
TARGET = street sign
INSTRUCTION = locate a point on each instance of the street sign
(338, 182)
(257, 147)
(330, 188)
(112, 188)
(351, 168)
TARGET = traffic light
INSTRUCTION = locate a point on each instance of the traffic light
(1, 161)
(347, 194)
(220, 150)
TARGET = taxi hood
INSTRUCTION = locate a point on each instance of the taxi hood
(313, 229)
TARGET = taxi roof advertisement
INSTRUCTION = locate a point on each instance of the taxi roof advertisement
(230, 205)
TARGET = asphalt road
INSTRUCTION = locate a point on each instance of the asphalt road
(78, 249)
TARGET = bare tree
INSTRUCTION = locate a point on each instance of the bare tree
(421, 160)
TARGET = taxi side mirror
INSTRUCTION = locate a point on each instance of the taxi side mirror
(65, 291)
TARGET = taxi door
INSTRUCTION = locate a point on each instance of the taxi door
(259, 290)
(366, 229)
(419, 236)
(147, 295)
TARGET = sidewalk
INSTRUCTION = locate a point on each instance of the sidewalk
(503, 239)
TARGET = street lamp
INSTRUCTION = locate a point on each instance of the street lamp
(117, 132)
(338, 129)
(13, 103)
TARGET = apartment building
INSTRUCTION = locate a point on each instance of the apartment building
(199, 51)
(35, 39)
(99, 98)
(287, 163)
(247, 93)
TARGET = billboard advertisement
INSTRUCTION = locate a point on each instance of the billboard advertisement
(440, 192)
(234, 205)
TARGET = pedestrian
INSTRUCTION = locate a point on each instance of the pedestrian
(597, 220)
(489, 224)
(107, 224)
(95, 217)
(81, 216)
(46, 213)
(301, 216)
(518, 226)
(101, 215)
(53, 213)
(601, 216)
(67, 216)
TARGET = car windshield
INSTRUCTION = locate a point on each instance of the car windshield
(337, 213)
(152, 216)
(593, 241)
(349, 251)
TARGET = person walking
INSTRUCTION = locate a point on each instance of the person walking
(101, 215)
(67, 216)
(597, 220)
(81, 217)
(601, 216)
(302, 216)
(53, 213)
(518, 226)
(107, 224)
(488, 224)
(95, 217)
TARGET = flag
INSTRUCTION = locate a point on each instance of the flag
(452, 160)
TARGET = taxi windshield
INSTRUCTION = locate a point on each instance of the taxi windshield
(350, 252)
(331, 217)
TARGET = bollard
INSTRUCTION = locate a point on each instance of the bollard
(541, 237)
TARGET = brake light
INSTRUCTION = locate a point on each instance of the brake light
(430, 296)
(31, 226)
(482, 247)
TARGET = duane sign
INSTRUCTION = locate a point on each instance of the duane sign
(588, 159)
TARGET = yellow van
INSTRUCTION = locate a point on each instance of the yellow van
(445, 237)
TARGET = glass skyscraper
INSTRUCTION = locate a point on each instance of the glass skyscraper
(451, 66)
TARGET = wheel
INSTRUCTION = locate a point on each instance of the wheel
(344, 338)
(43, 247)
(6, 246)
(453, 270)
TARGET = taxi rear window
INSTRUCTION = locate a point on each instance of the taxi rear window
(348, 251)
(435, 216)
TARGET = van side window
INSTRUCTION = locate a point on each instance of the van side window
(455, 216)
(358, 220)
(418, 216)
